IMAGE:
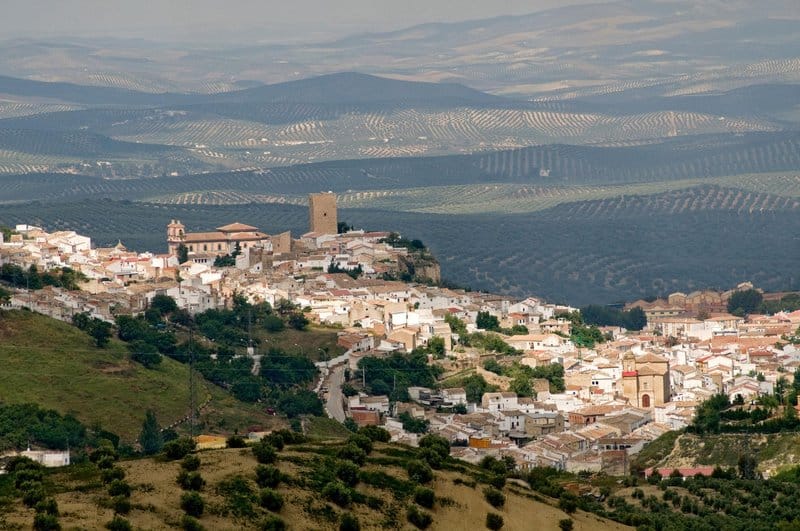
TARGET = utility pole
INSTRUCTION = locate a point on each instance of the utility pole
(250, 351)
(192, 404)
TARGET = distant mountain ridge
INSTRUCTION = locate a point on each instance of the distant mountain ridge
(345, 88)
(353, 88)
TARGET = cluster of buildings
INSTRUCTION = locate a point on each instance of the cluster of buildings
(266, 268)
(618, 395)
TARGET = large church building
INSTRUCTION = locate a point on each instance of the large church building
(223, 241)
(220, 242)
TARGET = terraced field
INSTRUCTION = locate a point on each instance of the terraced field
(12, 109)
(297, 134)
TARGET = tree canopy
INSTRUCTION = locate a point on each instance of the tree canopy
(745, 302)
(633, 319)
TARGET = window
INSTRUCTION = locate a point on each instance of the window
(205, 247)
(219, 247)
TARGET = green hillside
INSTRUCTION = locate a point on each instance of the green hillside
(56, 366)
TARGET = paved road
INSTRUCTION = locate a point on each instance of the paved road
(334, 383)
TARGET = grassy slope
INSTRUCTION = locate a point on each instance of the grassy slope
(773, 452)
(306, 342)
(56, 366)
(156, 506)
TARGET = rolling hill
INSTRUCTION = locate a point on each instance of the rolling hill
(55, 365)
(691, 158)
(379, 500)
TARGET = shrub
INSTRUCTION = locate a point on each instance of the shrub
(565, 524)
(121, 505)
(112, 474)
(104, 451)
(46, 522)
(498, 481)
(276, 439)
(179, 448)
(239, 496)
(424, 496)
(494, 521)
(48, 506)
(492, 464)
(105, 462)
(119, 487)
(349, 522)
(338, 493)
(351, 452)
(431, 457)
(375, 433)
(494, 497)
(272, 523)
(190, 480)
(265, 453)
(235, 441)
(362, 441)
(192, 503)
(189, 523)
(290, 437)
(190, 463)
(420, 519)
(437, 443)
(419, 471)
(32, 495)
(348, 473)
(119, 524)
(267, 476)
(567, 503)
(271, 499)
(27, 476)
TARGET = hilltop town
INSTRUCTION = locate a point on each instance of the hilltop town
(519, 378)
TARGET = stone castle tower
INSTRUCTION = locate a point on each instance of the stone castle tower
(175, 235)
(322, 213)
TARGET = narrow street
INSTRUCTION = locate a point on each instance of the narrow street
(334, 403)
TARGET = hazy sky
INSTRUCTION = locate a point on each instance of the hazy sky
(242, 20)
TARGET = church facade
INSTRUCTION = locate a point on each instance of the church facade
(645, 380)
(218, 243)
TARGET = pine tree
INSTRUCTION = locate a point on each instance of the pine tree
(150, 437)
(183, 253)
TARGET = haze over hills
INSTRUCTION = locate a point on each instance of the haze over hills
(561, 123)
(592, 49)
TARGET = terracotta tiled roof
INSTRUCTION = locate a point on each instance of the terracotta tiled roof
(236, 227)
